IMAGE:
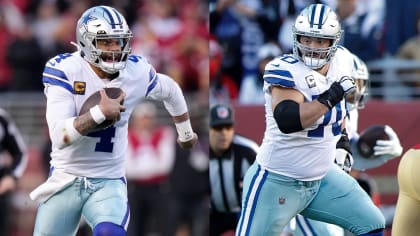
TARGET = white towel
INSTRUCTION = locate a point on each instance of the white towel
(57, 181)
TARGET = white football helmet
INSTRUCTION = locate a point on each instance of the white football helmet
(360, 75)
(319, 21)
(101, 23)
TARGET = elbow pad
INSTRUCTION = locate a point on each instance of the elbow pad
(64, 133)
(287, 116)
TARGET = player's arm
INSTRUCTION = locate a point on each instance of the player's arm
(292, 114)
(107, 109)
(65, 126)
(169, 92)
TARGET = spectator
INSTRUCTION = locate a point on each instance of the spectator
(222, 87)
(230, 157)
(149, 161)
(410, 50)
(252, 88)
(363, 35)
(189, 187)
(13, 160)
(26, 60)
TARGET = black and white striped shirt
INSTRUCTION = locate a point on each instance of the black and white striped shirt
(227, 172)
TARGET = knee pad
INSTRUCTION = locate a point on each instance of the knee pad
(108, 229)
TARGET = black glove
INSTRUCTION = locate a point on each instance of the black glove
(337, 91)
(343, 155)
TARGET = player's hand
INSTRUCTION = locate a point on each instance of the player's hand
(189, 143)
(347, 84)
(111, 108)
(7, 184)
(343, 159)
(338, 90)
(391, 147)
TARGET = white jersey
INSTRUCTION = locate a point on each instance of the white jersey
(69, 81)
(307, 154)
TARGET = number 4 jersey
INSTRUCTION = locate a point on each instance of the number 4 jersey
(69, 81)
(307, 154)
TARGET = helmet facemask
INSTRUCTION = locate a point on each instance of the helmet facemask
(111, 61)
(315, 58)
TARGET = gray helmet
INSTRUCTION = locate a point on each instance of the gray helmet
(101, 23)
(318, 21)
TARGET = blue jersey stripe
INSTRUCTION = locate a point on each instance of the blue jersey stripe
(48, 80)
(279, 81)
(284, 73)
(153, 79)
(55, 72)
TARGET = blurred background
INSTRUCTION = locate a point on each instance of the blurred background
(223, 66)
(171, 34)
(385, 34)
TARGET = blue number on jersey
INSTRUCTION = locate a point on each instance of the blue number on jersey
(289, 59)
(319, 130)
(336, 128)
(59, 57)
(105, 136)
(134, 58)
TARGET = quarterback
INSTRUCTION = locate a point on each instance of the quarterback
(305, 111)
(87, 176)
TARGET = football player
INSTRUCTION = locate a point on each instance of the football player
(384, 151)
(305, 109)
(407, 211)
(87, 175)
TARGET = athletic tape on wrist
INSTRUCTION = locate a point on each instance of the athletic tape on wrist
(184, 130)
(97, 114)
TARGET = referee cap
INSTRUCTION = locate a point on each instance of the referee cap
(221, 114)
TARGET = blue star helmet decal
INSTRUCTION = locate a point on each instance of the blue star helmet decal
(88, 18)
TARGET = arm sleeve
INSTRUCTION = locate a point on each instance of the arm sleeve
(60, 124)
(169, 92)
(13, 143)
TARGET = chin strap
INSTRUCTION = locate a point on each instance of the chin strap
(77, 46)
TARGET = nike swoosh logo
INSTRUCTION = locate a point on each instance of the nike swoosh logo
(276, 65)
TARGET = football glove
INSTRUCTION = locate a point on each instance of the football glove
(343, 159)
(390, 147)
(338, 90)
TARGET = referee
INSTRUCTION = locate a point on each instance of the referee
(230, 157)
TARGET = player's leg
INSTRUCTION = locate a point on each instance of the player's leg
(60, 215)
(303, 226)
(407, 210)
(341, 201)
(107, 210)
(272, 200)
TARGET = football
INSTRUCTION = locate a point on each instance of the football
(367, 139)
(94, 99)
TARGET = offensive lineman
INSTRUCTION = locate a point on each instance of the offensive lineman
(305, 112)
(87, 176)
(384, 151)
